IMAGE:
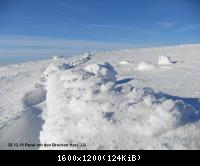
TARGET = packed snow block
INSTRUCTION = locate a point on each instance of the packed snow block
(145, 66)
(164, 60)
(57, 57)
(104, 71)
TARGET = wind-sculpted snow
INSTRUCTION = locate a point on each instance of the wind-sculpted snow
(58, 66)
(124, 62)
(87, 105)
(35, 97)
(54, 67)
(164, 60)
(145, 66)
(106, 105)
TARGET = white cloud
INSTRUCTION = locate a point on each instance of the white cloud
(26, 45)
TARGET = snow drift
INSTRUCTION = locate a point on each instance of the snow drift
(86, 105)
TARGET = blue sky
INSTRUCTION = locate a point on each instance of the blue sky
(46, 27)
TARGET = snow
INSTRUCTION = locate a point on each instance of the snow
(55, 57)
(145, 66)
(55, 67)
(103, 115)
(150, 103)
(125, 62)
(103, 71)
(164, 60)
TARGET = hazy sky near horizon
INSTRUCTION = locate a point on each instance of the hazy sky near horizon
(46, 27)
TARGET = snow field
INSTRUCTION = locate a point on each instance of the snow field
(105, 105)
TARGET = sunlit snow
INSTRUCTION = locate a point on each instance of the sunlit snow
(130, 99)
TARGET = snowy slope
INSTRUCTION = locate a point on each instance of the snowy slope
(130, 99)
(22, 98)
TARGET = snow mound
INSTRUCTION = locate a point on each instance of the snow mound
(84, 105)
(103, 71)
(145, 66)
(89, 54)
(164, 60)
(54, 67)
(57, 57)
(125, 62)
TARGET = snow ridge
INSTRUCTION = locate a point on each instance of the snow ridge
(86, 105)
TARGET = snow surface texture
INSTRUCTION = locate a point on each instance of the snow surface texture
(145, 66)
(164, 60)
(91, 108)
(97, 100)
(125, 62)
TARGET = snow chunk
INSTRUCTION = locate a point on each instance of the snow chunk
(125, 62)
(164, 60)
(108, 86)
(57, 57)
(145, 66)
(104, 71)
